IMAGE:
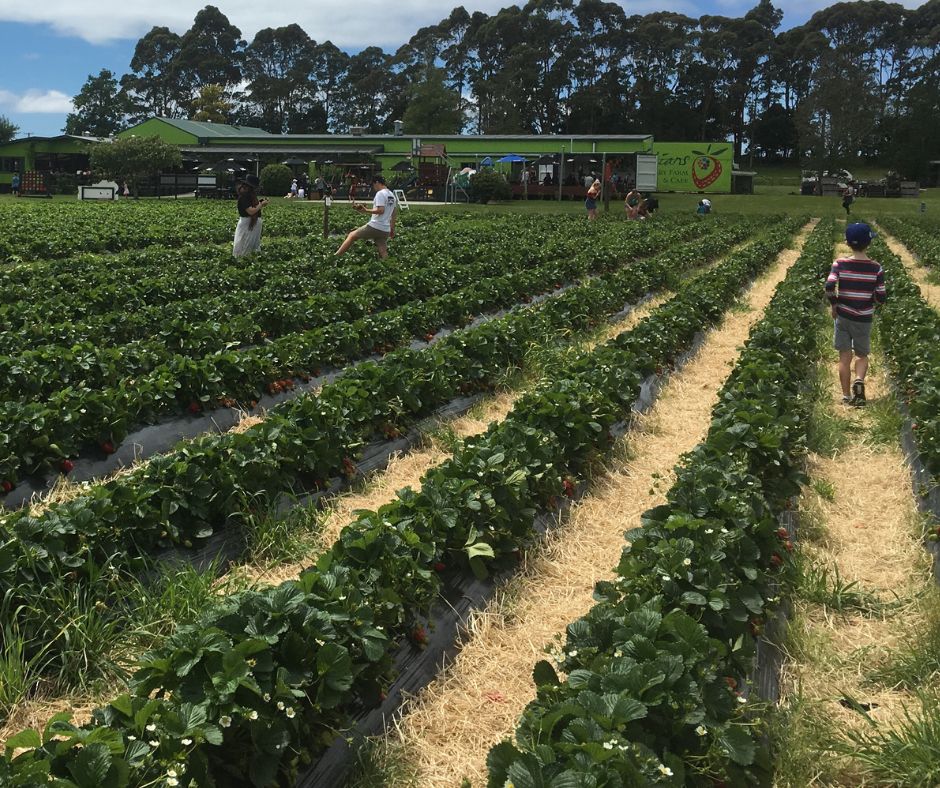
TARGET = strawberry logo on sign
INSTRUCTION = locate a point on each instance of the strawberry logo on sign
(706, 168)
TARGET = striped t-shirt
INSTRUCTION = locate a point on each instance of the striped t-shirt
(854, 286)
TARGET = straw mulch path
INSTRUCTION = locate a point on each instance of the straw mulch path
(870, 536)
(406, 470)
(446, 734)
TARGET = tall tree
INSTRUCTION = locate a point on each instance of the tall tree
(368, 91)
(211, 105)
(211, 53)
(8, 129)
(281, 64)
(835, 123)
(433, 108)
(597, 97)
(100, 107)
(152, 86)
(330, 65)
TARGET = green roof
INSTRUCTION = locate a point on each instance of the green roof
(203, 129)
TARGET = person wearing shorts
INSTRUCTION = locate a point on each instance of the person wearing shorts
(381, 226)
(590, 202)
(855, 285)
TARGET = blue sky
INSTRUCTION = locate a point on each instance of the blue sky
(51, 46)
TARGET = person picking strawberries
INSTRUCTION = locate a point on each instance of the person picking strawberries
(855, 285)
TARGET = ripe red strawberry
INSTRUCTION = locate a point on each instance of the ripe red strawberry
(420, 636)
(107, 447)
(558, 285)
(731, 682)
(194, 407)
(349, 467)
(788, 545)
(7, 486)
(428, 337)
(66, 466)
(783, 533)
(776, 559)
(439, 566)
(569, 488)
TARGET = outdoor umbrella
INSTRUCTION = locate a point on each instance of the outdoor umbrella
(547, 158)
(487, 162)
(402, 166)
(512, 157)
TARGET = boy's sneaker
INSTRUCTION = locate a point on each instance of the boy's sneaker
(858, 393)
(846, 400)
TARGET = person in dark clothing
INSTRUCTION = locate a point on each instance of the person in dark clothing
(248, 229)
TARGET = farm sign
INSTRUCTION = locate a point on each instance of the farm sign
(694, 166)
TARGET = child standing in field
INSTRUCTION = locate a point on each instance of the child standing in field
(855, 284)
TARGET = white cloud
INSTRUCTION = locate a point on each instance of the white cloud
(348, 25)
(36, 101)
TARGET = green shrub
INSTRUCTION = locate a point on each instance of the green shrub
(486, 186)
(275, 179)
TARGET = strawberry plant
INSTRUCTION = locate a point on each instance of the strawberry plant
(316, 645)
(652, 693)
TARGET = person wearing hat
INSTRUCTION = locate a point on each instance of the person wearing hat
(855, 285)
(381, 225)
(248, 229)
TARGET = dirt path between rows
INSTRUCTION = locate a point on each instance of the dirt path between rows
(446, 734)
(864, 526)
(406, 470)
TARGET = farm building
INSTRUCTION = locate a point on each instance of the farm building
(60, 159)
(431, 161)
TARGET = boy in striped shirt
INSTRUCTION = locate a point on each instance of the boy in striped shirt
(855, 284)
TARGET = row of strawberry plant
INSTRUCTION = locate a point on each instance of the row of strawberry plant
(652, 692)
(205, 326)
(43, 434)
(54, 230)
(205, 486)
(159, 279)
(909, 328)
(262, 682)
(919, 237)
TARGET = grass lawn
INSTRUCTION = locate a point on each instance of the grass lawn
(768, 200)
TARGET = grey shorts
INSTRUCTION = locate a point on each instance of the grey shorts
(369, 233)
(852, 335)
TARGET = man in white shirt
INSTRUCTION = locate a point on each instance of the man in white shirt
(381, 225)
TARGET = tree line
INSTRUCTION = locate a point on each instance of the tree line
(858, 80)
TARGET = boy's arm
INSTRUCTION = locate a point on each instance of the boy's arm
(881, 293)
(831, 281)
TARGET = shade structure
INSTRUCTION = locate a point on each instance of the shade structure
(511, 157)
(403, 166)
(487, 162)
(546, 158)
(294, 161)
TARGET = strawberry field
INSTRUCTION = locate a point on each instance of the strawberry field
(132, 341)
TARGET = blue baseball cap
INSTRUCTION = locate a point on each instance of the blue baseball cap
(859, 234)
